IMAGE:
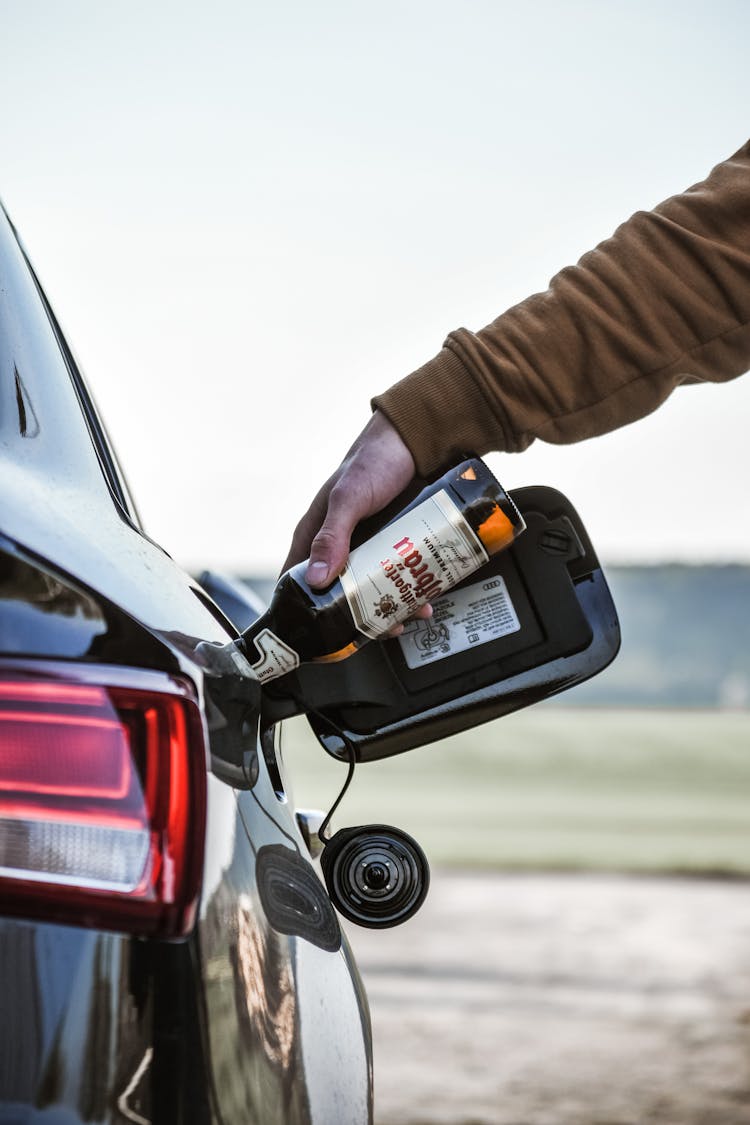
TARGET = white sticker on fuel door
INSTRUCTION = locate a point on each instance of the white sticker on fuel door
(461, 620)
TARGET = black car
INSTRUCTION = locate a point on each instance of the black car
(168, 950)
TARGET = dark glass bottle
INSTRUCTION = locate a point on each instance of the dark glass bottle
(440, 538)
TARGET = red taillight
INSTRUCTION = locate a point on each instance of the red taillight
(102, 798)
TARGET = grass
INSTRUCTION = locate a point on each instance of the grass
(558, 788)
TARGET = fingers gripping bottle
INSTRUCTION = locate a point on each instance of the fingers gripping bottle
(442, 537)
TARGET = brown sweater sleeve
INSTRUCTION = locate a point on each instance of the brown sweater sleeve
(665, 301)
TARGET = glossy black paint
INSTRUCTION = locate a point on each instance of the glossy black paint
(259, 1015)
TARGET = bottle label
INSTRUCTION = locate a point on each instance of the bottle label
(276, 658)
(465, 619)
(412, 561)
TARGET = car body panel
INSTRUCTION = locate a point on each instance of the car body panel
(259, 1014)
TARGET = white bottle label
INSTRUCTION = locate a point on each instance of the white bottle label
(412, 561)
(276, 658)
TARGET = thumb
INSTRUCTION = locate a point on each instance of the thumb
(329, 549)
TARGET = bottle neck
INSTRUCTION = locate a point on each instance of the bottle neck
(267, 653)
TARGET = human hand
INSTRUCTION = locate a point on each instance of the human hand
(375, 470)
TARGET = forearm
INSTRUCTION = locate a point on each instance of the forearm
(666, 300)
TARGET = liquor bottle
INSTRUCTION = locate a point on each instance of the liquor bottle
(439, 539)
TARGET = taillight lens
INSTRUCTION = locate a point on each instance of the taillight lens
(102, 798)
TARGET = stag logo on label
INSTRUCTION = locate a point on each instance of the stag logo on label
(385, 607)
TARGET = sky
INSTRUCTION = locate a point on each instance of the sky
(250, 218)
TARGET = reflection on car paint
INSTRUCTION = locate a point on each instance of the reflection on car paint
(28, 423)
(334, 1034)
(293, 898)
(250, 1003)
(76, 1006)
(128, 1098)
(36, 604)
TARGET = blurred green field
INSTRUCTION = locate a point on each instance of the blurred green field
(557, 788)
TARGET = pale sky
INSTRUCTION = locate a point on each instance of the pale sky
(249, 218)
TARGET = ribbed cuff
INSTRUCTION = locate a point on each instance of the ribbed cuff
(440, 413)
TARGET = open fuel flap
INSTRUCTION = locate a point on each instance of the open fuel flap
(537, 619)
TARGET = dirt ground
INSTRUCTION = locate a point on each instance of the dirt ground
(563, 1000)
